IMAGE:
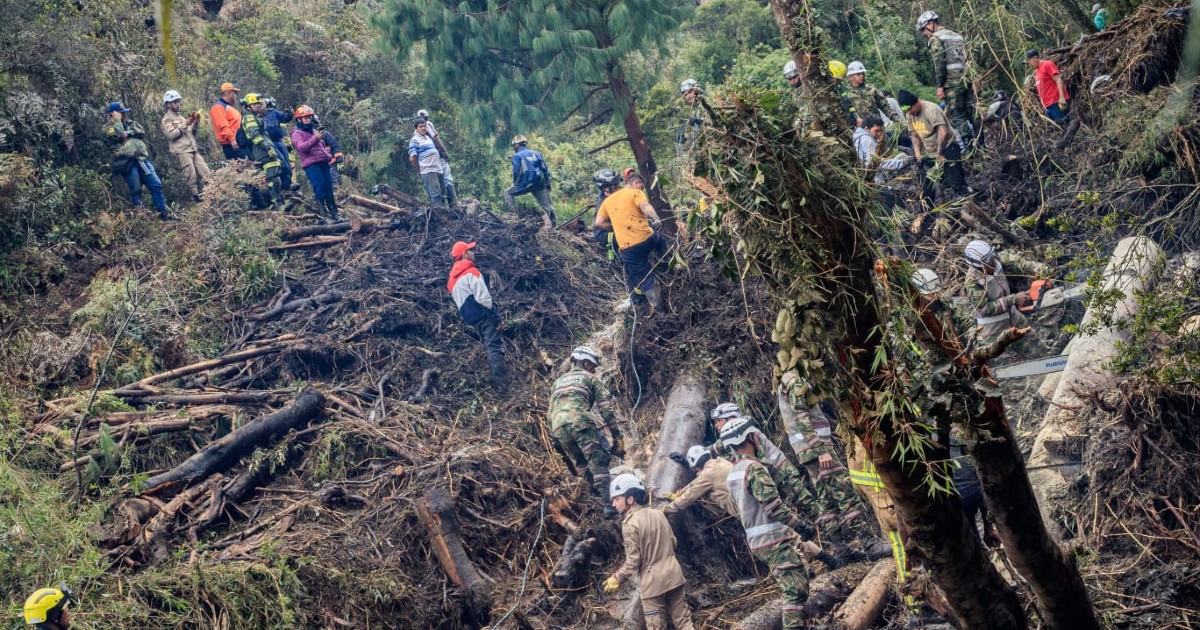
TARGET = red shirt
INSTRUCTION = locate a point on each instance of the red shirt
(1047, 88)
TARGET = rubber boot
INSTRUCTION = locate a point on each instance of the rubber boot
(654, 296)
(331, 210)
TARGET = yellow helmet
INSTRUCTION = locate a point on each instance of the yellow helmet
(254, 97)
(837, 69)
(46, 604)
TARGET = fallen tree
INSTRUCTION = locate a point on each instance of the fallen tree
(682, 427)
(436, 511)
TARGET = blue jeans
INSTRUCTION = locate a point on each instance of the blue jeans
(143, 173)
(639, 271)
(285, 162)
(321, 180)
(1056, 113)
(434, 188)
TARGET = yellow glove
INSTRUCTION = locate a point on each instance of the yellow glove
(671, 496)
(611, 585)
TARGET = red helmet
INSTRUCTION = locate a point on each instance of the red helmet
(304, 110)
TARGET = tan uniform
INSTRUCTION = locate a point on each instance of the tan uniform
(181, 140)
(710, 481)
(650, 555)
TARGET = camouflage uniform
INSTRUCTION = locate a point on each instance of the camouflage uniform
(770, 525)
(867, 100)
(991, 297)
(949, 53)
(579, 400)
(837, 504)
(792, 484)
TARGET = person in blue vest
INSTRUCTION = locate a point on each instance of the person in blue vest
(273, 121)
(530, 175)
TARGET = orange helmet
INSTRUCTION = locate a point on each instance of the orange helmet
(304, 110)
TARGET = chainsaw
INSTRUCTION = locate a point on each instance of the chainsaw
(1043, 294)
(1035, 367)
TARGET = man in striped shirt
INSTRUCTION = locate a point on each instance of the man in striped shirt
(423, 155)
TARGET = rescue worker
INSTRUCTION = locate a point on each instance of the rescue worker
(180, 132)
(530, 176)
(337, 159)
(792, 74)
(711, 472)
(948, 50)
(650, 555)
(627, 213)
(775, 533)
(837, 504)
(444, 156)
(865, 98)
(262, 151)
(477, 307)
(934, 140)
(227, 123)
(580, 408)
(423, 155)
(273, 120)
(989, 294)
(689, 90)
(131, 159)
(1099, 16)
(837, 70)
(315, 159)
(608, 182)
(48, 608)
(804, 115)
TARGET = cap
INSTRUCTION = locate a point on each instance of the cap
(116, 106)
(627, 172)
(227, 86)
(461, 248)
(1031, 53)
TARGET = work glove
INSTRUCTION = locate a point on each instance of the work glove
(678, 458)
(671, 496)
(611, 585)
(618, 446)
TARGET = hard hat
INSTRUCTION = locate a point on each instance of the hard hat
(606, 177)
(1000, 95)
(837, 68)
(688, 86)
(585, 353)
(46, 604)
(788, 378)
(789, 69)
(229, 87)
(724, 410)
(304, 110)
(422, 113)
(623, 483)
(926, 18)
(926, 281)
(697, 455)
(170, 96)
(252, 98)
(978, 253)
(461, 248)
(855, 67)
(519, 140)
(736, 431)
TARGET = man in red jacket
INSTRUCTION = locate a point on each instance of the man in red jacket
(475, 304)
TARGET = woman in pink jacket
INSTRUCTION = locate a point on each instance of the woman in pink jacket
(314, 159)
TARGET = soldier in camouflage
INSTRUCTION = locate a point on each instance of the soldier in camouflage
(811, 437)
(949, 53)
(865, 98)
(990, 295)
(775, 533)
(580, 407)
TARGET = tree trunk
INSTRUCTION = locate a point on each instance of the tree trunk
(865, 604)
(436, 510)
(624, 101)
(682, 427)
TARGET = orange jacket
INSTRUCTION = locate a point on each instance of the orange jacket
(226, 120)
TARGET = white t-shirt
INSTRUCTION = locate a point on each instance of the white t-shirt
(426, 153)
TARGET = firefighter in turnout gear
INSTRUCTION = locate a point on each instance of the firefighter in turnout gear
(262, 150)
(775, 533)
(948, 50)
(580, 411)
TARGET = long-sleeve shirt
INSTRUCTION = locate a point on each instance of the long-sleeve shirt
(867, 148)
(125, 137)
(949, 53)
(181, 136)
(710, 481)
(226, 121)
(470, 292)
(273, 121)
(649, 552)
(309, 146)
(992, 298)
(576, 396)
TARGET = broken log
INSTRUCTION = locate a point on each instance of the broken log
(1134, 267)
(318, 241)
(304, 231)
(682, 427)
(378, 206)
(226, 451)
(436, 510)
(865, 604)
(201, 366)
(402, 197)
(328, 297)
(208, 398)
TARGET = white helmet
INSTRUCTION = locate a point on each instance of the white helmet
(926, 18)
(789, 69)
(926, 281)
(422, 113)
(855, 67)
(170, 96)
(978, 253)
(724, 410)
(585, 353)
(623, 483)
(736, 431)
(688, 86)
(697, 455)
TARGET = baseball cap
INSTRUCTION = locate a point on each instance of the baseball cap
(116, 106)
(227, 86)
(461, 248)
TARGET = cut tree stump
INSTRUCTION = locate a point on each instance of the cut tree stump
(682, 427)
(226, 451)
(865, 604)
(436, 511)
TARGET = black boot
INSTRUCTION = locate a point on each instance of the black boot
(829, 560)
(331, 210)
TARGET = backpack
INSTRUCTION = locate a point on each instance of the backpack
(541, 173)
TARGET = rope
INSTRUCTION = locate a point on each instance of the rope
(528, 561)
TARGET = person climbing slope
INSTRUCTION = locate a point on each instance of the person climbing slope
(580, 410)
(477, 308)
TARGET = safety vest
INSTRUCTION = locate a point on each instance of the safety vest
(955, 50)
(761, 529)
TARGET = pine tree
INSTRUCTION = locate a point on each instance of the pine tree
(525, 63)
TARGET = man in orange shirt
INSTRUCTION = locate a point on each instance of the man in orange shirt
(227, 123)
(629, 215)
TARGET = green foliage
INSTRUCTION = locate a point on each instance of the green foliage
(721, 32)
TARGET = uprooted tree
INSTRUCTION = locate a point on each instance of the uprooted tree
(531, 63)
(805, 220)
